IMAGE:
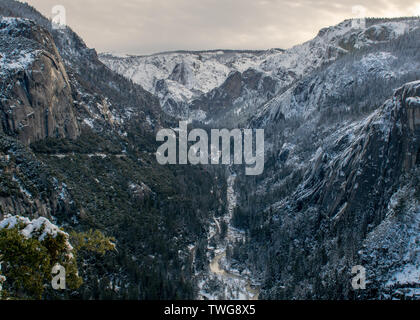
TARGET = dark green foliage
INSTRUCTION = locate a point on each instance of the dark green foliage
(27, 263)
(150, 226)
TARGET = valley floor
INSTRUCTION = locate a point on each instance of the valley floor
(223, 281)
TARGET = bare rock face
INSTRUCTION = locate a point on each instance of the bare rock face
(36, 94)
(408, 97)
(41, 105)
(345, 198)
(180, 74)
(356, 184)
(381, 33)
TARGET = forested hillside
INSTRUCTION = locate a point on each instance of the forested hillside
(86, 161)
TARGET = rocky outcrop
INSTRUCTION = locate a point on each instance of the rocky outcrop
(364, 173)
(36, 94)
(345, 196)
(180, 74)
(410, 101)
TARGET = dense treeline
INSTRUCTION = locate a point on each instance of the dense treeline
(154, 213)
(110, 181)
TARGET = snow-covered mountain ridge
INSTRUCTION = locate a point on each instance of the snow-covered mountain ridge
(197, 71)
(180, 79)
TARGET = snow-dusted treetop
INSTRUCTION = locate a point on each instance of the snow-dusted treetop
(38, 228)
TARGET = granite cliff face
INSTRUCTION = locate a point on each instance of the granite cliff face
(37, 99)
(342, 206)
(410, 101)
(383, 148)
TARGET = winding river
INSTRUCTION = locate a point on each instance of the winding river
(251, 292)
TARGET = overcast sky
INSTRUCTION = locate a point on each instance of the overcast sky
(148, 26)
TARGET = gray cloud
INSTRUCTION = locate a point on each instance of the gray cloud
(147, 26)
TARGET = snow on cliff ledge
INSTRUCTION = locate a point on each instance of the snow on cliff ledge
(15, 53)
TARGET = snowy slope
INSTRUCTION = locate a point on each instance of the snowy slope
(337, 87)
(181, 77)
(12, 61)
(195, 71)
